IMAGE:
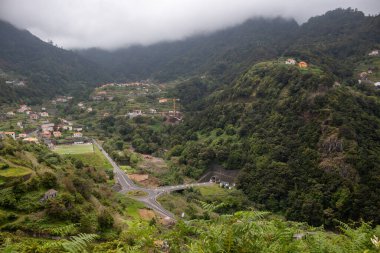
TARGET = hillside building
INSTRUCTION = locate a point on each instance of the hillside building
(302, 65)
(77, 135)
(57, 134)
(374, 53)
(49, 195)
(10, 134)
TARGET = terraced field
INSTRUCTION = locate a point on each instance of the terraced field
(14, 172)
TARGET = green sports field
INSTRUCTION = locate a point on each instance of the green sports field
(74, 149)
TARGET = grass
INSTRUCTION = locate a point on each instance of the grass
(74, 149)
(183, 202)
(14, 172)
(212, 191)
(137, 193)
(95, 159)
(132, 207)
(128, 169)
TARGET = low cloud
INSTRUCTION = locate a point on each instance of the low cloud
(112, 24)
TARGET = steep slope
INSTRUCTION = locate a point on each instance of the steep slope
(223, 54)
(336, 40)
(47, 69)
(308, 148)
(45, 194)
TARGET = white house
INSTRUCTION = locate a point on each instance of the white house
(67, 127)
(134, 114)
(47, 127)
(23, 108)
(77, 135)
(290, 61)
(374, 53)
(377, 84)
(44, 114)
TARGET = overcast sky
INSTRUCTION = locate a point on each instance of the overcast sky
(115, 23)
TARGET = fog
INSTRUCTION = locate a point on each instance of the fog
(111, 24)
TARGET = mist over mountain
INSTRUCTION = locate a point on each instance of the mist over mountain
(46, 69)
(115, 24)
(256, 134)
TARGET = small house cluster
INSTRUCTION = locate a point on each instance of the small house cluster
(32, 115)
(365, 77)
(134, 114)
(101, 96)
(16, 83)
(132, 84)
(65, 130)
(61, 99)
(22, 136)
(301, 64)
(82, 106)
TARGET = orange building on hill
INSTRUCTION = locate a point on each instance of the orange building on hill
(302, 65)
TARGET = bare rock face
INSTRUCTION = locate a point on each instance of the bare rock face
(339, 166)
(332, 145)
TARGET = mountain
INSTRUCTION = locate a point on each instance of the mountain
(337, 40)
(306, 139)
(309, 148)
(340, 34)
(222, 54)
(47, 70)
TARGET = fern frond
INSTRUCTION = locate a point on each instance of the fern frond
(65, 230)
(78, 243)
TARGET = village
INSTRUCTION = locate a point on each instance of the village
(132, 100)
(368, 70)
(36, 127)
(40, 124)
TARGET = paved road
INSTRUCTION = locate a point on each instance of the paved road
(150, 200)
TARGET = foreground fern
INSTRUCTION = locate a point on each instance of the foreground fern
(78, 243)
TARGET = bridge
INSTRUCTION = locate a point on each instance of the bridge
(150, 199)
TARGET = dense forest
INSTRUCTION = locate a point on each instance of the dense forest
(308, 148)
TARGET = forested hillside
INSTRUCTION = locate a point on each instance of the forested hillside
(49, 203)
(46, 69)
(308, 148)
(307, 139)
(330, 39)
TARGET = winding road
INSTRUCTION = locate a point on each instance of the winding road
(150, 200)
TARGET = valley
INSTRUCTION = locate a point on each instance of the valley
(260, 137)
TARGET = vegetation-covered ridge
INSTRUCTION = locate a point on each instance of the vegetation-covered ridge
(308, 146)
(45, 69)
(56, 193)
